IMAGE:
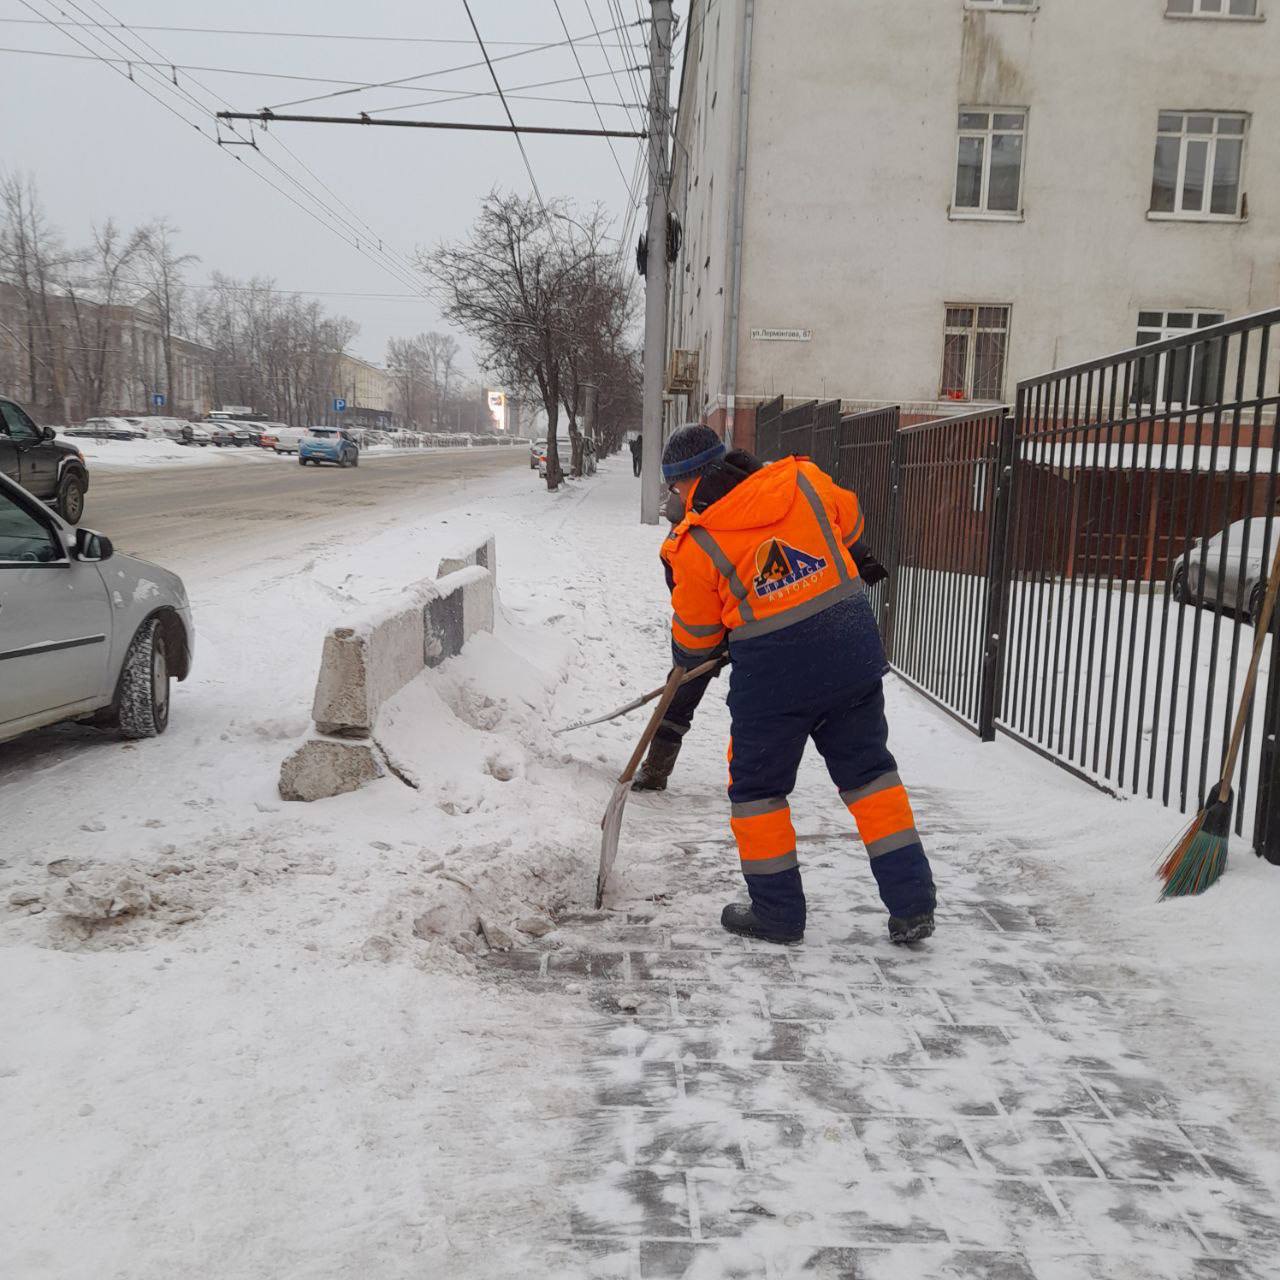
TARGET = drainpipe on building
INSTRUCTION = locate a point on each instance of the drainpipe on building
(739, 213)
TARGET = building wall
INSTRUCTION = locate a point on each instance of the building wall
(851, 171)
(367, 389)
(133, 371)
(704, 167)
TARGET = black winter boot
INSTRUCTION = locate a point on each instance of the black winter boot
(738, 917)
(912, 929)
(653, 774)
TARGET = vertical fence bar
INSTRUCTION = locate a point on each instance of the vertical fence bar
(999, 568)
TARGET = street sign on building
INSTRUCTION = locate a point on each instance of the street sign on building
(339, 405)
(767, 334)
(158, 400)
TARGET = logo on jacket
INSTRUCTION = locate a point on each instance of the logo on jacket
(779, 567)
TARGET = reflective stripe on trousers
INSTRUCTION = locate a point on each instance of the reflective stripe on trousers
(883, 814)
(766, 839)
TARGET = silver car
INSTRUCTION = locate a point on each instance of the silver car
(1239, 581)
(84, 632)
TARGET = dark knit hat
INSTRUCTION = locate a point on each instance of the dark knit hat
(690, 451)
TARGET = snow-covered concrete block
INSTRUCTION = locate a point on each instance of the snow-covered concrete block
(482, 552)
(366, 662)
(324, 767)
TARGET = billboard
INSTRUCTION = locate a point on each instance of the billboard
(498, 409)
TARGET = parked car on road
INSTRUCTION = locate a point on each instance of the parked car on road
(1238, 580)
(82, 639)
(564, 451)
(221, 435)
(283, 439)
(328, 444)
(108, 429)
(51, 469)
(536, 449)
(226, 434)
(183, 432)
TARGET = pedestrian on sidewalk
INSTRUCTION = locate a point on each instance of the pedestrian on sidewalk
(766, 557)
(637, 453)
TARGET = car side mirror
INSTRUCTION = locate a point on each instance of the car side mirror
(93, 547)
(47, 433)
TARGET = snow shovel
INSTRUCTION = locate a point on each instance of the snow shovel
(695, 674)
(612, 822)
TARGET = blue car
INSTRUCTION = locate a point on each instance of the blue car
(328, 444)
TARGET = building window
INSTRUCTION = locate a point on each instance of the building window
(1213, 8)
(989, 162)
(1186, 376)
(1003, 4)
(1199, 160)
(974, 348)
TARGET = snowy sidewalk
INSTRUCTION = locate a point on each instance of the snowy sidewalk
(972, 1108)
(302, 1059)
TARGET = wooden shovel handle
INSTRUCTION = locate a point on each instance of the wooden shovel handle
(1261, 626)
(669, 690)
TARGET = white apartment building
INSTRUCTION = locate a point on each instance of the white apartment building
(922, 201)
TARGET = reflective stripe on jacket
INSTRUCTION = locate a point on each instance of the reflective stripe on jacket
(771, 552)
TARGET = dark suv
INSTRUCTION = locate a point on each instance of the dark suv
(50, 469)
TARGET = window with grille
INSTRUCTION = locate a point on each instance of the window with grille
(974, 348)
(1214, 8)
(989, 161)
(1186, 376)
(1199, 160)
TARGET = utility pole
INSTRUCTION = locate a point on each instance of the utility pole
(655, 279)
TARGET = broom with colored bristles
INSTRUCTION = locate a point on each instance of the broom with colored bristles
(1200, 856)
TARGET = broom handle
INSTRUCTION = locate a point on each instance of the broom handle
(669, 691)
(1261, 625)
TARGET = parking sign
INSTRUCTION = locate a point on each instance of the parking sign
(339, 405)
(158, 400)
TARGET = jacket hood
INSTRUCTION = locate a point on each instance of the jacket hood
(762, 499)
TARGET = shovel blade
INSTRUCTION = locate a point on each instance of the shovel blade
(611, 829)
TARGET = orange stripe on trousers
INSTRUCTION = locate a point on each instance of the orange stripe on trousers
(883, 814)
(767, 835)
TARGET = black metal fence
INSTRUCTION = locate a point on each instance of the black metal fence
(1083, 574)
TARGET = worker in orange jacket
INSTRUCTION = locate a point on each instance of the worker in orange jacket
(767, 557)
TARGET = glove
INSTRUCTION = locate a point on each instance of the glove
(871, 570)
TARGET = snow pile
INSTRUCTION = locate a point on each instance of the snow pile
(141, 454)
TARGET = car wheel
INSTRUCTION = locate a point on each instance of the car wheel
(302, 462)
(71, 498)
(355, 459)
(1256, 597)
(1178, 588)
(142, 709)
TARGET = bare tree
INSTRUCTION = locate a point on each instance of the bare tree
(163, 275)
(407, 367)
(511, 287)
(440, 353)
(32, 256)
(97, 288)
(272, 351)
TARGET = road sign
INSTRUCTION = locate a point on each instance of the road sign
(158, 400)
(339, 405)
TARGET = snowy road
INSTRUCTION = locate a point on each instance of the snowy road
(176, 515)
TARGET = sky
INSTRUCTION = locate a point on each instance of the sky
(99, 147)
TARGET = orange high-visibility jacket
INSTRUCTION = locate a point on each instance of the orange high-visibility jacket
(770, 553)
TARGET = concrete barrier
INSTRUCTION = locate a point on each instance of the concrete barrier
(470, 552)
(370, 659)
